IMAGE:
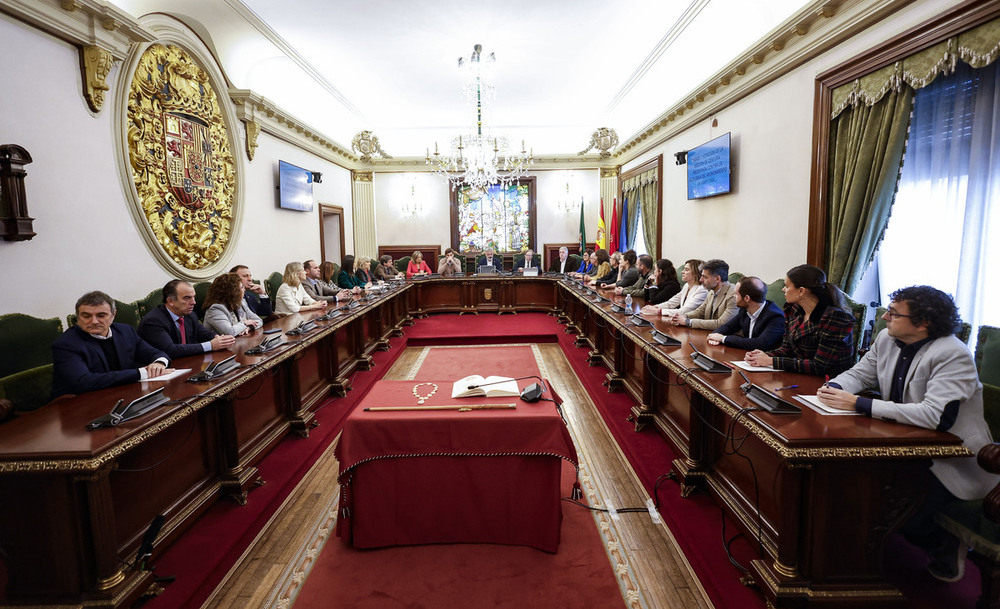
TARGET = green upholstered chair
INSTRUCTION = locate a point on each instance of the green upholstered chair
(988, 355)
(680, 271)
(402, 263)
(150, 302)
(27, 389)
(125, 313)
(518, 258)
(200, 293)
(879, 322)
(26, 342)
(272, 283)
(860, 312)
(735, 277)
(775, 293)
(573, 261)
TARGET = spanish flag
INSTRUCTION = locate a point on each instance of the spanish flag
(601, 231)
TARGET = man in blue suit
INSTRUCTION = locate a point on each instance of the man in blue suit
(253, 293)
(490, 259)
(97, 353)
(528, 262)
(759, 324)
(173, 327)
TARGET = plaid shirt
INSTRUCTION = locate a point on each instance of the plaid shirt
(820, 345)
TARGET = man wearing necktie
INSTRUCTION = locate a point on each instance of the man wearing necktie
(173, 328)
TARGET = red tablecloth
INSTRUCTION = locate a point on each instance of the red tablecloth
(415, 477)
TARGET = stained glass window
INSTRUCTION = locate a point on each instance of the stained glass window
(498, 217)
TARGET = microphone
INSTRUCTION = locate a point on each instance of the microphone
(520, 378)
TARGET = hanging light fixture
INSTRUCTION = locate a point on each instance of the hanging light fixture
(480, 159)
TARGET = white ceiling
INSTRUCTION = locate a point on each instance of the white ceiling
(562, 68)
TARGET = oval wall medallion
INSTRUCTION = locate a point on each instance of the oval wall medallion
(180, 156)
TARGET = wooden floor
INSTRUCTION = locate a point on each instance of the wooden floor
(651, 569)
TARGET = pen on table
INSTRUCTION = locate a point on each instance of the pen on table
(787, 387)
(826, 380)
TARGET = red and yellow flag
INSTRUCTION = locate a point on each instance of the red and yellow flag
(602, 233)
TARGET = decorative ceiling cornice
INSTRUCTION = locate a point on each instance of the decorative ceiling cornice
(804, 36)
(82, 23)
(251, 107)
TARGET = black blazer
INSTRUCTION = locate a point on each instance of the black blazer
(767, 332)
(260, 306)
(520, 263)
(79, 364)
(158, 329)
(497, 262)
(656, 294)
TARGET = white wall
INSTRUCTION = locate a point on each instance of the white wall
(433, 227)
(761, 227)
(86, 238)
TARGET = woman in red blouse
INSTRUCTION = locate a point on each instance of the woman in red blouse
(417, 266)
(818, 327)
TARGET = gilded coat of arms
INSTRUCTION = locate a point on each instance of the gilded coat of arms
(180, 155)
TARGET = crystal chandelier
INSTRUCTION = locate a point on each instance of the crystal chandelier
(480, 159)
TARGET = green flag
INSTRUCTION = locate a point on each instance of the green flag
(583, 230)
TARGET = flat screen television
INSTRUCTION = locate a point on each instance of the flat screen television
(295, 187)
(709, 170)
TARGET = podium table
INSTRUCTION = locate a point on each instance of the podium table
(445, 476)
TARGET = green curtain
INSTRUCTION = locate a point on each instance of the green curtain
(866, 154)
(641, 192)
(649, 226)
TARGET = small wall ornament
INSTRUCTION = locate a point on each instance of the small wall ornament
(604, 139)
(366, 144)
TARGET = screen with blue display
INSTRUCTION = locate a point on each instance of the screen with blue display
(708, 169)
(295, 186)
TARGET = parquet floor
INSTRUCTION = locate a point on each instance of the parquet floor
(653, 571)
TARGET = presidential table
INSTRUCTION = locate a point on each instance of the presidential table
(481, 472)
(74, 504)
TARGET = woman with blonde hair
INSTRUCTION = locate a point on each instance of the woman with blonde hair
(225, 310)
(417, 266)
(364, 272)
(291, 296)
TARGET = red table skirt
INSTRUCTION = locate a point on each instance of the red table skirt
(512, 500)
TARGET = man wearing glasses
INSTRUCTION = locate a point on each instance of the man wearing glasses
(927, 377)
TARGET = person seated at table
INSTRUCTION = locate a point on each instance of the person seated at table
(225, 310)
(328, 281)
(450, 264)
(97, 353)
(561, 264)
(173, 328)
(610, 276)
(662, 284)
(644, 269)
(253, 293)
(926, 377)
(529, 262)
(818, 327)
(720, 303)
(291, 297)
(759, 323)
(319, 289)
(586, 266)
(386, 271)
(347, 279)
(690, 297)
(416, 267)
(490, 259)
(364, 272)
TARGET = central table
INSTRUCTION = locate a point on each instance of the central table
(443, 476)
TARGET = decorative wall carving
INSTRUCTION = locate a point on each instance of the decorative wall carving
(366, 144)
(604, 139)
(181, 158)
(253, 130)
(15, 224)
(97, 64)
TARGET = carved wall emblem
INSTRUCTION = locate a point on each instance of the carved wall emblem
(181, 158)
(488, 294)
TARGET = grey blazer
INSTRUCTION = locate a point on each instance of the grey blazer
(219, 319)
(942, 391)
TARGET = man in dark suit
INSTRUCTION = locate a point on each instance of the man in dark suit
(173, 327)
(529, 262)
(253, 293)
(317, 289)
(561, 264)
(759, 324)
(490, 259)
(97, 353)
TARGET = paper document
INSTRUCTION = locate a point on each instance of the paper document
(813, 402)
(166, 377)
(750, 367)
(494, 386)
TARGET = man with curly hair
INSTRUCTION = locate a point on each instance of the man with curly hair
(926, 377)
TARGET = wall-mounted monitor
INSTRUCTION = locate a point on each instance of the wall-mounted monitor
(295, 187)
(709, 171)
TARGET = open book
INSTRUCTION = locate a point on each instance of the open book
(502, 386)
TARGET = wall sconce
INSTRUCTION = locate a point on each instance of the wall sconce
(566, 204)
(15, 224)
(412, 207)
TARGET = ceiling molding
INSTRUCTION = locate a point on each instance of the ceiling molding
(806, 35)
(284, 126)
(82, 23)
(267, 32)
(557, 162)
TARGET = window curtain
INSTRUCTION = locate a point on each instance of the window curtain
(867, 138)
(641, 192)
(938, 231)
